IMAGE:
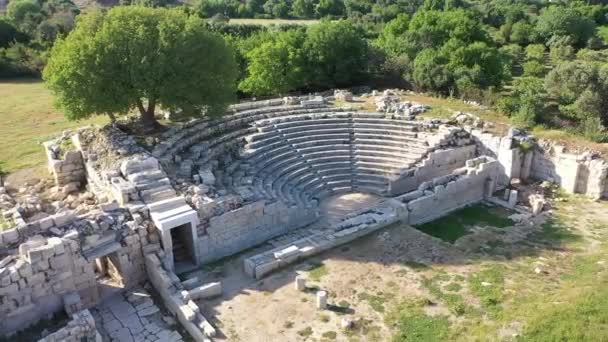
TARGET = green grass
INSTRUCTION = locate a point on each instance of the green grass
(5, 223)
(453, 301)
(28, 119)
(330, 335)
(555, 232)
(306, 332)
(491, 296)
(318, 271)
(585, 318)
(377, 301)
(454, 226)
(453, 287)
(411, 324)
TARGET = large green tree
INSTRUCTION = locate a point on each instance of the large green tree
(559, 21)
(277, 65)
(140, 58)
(337, 54)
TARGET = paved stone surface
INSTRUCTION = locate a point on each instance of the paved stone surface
(133, 317)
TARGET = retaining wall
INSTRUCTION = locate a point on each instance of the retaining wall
(249, 226)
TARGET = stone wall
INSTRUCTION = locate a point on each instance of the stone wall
(248, 226)
(67, 168)
(353, 226)
(515, 162)
(576, 173)
(36, 282)
(81, 328)
(444, 194)
(175, 298)
(437, 163)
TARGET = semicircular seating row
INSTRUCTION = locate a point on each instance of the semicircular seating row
(302, 159)
(297, 154)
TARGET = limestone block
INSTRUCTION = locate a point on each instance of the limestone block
(206, 291)
(300, 283)
(513, 198)
(9, 290)
(63, 219)
(321, 300)
(10, 236)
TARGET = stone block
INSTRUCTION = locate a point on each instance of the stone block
(206, 291)
(10, 236)
(321, 300)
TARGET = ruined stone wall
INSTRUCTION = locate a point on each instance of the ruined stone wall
(514, 161)
(248, 226)
(80, 328)
(575, 173)
(35, 282)
(66, 169)
(172, 293)
(437, 163)
(444, 194)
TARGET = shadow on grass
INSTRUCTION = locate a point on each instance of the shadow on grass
(455, 225)
(342, 310)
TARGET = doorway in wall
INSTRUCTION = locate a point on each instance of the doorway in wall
(182, 239)
(107, 270)
(109, 276)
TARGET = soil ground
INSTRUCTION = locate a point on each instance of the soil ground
(501, 282)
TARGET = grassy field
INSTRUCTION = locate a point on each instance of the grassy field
(28, 119)
(243, 21)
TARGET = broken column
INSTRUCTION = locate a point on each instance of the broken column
(321, 300)
(206, 291)
(300, 283)
(537, 202)
(513, 198)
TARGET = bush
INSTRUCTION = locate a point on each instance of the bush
(533, 68)
(535, 52)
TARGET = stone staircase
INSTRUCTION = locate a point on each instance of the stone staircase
(304, 158)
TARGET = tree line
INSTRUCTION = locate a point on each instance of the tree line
(537, 62)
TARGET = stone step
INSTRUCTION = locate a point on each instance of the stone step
(312, 126)
(371, 182)
(147, 176)
(382, 126)
(415, 144)
(375, 168)
(335, 170)
(382, 191)
(315, 133)
(345, 152)
(153, 184)
(158, 196)
(322, 142)
(392, 162)
(385, 154)
(157, 190)
(384, 132)
(320, 148)
(268, 153)
(338, 177)
(272, 159)
(312, 136)
(328, 159)
(311, 121)
(402, 148)
(399, 122)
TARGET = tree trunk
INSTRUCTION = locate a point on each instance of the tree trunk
(112, 118)
(147, 119)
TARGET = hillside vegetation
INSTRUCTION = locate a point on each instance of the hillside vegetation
(538, 65)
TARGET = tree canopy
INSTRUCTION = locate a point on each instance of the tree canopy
(140, 58)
